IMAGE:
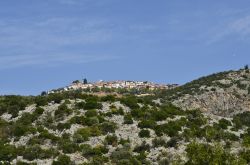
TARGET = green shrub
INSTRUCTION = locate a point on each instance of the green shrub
(44, 134)
(172, 142)
(82, 135)
(24, 163)
(96, 160)
(166, 111)
(19, 130)
(90, 121)
(62, 126)
(159, 142)
(62, 160)
(92, 104)
(245, 154)
(115, 111)
(100, 150)
(242, 119)
(56, 97)
(171, 128)
(207, 154)
(130, 101)
(111, 140)
(78, 120)
(123, 156)
(246, 141)
(91, 113)
(108, 127)
(39, 111)
(87, 151)
(7, 152)
(223, 123)
(80, 105)
(35, 152)
(68, 147)
(128, 119)
(137, 113)
(144, 133)
(41, 101)
(147, 124)
(109, 98)
(62, 111)
(142, 148)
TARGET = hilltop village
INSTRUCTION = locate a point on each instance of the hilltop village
(117, 84)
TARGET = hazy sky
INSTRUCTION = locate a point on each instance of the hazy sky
(46, 44)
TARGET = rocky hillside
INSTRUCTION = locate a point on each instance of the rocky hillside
(206, 121)
(225, 93)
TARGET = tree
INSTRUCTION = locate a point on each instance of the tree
(76, 82)
(85, 81)
(44, 93)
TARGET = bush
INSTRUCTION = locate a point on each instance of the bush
(242, 119)
(108, 127)
(110, 98)
(19, 130)
(207, 154)
(68, 147)
(56, 97)
(44, 134)
(39, 111)
(90, 121)
(62, 126)
(171, 128)
(147, 124)
(82, 135)
(91, 113)
(80, 105)
(41, 101)
(62, 160)
(91, 103)
(87, 151)
(115, 111)
(172, 142)
(167, 111)
(223, 123)
(122, 155)
(35, 152)
(158, 142)
(7, 152)
(246, 141)
(62, 111)
(128, 119)
(130, 101)
(245, 154)
(111, 140)
(144, 133)
(142, 148)
(78, 120)
(13, 104)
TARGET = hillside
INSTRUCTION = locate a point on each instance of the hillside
(224, 94)
(206, 121)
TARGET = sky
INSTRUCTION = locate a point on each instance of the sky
(46, 44)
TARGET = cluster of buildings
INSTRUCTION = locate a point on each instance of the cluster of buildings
(119, 84)
(76, 85)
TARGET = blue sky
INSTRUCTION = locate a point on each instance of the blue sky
(46, 44)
